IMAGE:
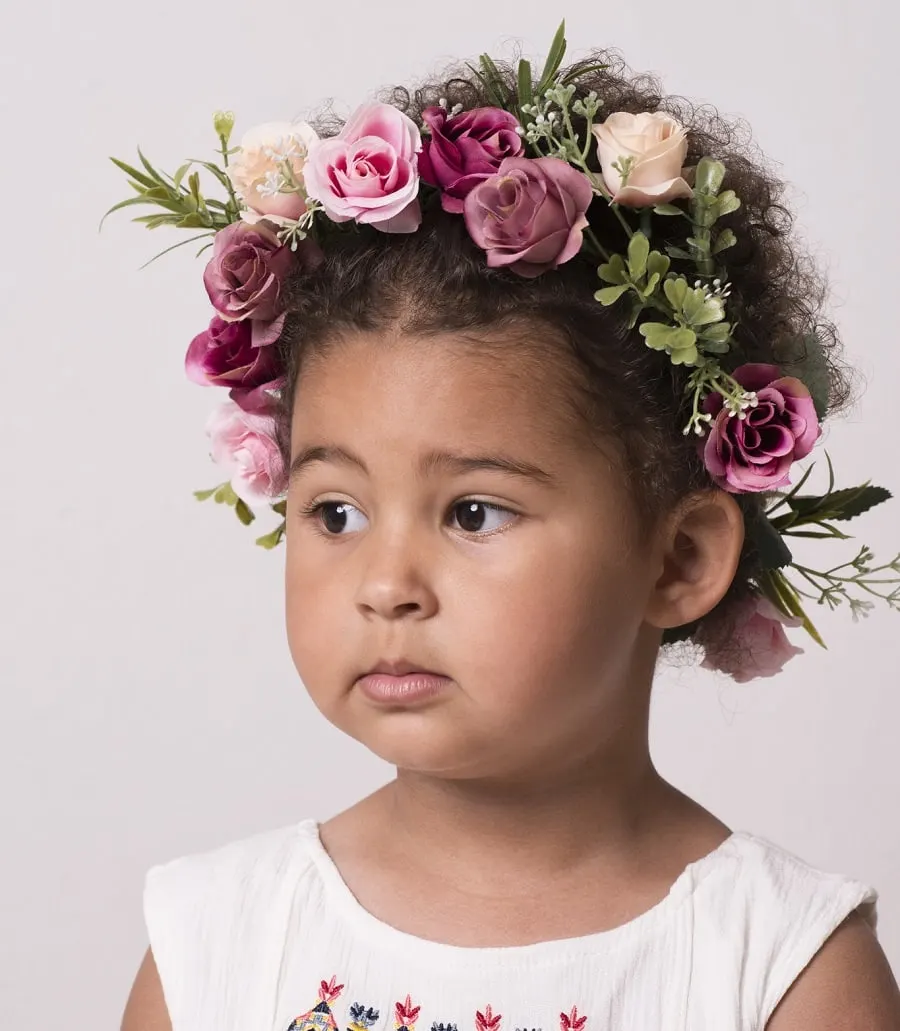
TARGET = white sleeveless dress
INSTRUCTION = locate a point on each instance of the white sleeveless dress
(263, 934)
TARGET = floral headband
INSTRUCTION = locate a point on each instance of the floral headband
(522, 178)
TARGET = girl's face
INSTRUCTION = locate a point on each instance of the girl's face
(528, 591)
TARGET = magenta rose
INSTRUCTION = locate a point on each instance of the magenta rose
(759, 646)
(530, 215)
(244, 444)
(244, 276)
(465, 149)
(756, 453)
(226, 355)
(369, 171)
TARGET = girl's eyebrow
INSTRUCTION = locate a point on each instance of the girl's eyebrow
(435, 460)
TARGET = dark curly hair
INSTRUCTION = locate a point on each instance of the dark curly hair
(436, 280)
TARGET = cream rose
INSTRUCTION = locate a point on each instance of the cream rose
(656, 145)
(258, 171)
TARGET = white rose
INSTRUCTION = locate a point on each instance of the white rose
(656, 145)
(267, 171)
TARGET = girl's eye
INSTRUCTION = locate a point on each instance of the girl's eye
(330, 517)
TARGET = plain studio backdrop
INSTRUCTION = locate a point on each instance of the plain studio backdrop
(150, 707)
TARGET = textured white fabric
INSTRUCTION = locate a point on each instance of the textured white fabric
(248, 937)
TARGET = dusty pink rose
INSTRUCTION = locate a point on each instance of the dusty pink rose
(369, 171)
(465, 149)
(530, 215)
(243, 443)
(756, 453)
(267, 171)
(759, 647)
(244, 276)
(656, 145)
(226, 355)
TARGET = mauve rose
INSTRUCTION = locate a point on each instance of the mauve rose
(244, 276)
(261, 400)
(759, 646)
(756, 453)
(463, 150)
(243, 443)
(657, 145)
(530, 215)
(369, 171)
(226, 355)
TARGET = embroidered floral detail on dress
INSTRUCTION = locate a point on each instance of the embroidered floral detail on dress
(361, 1017)
(571, 1021)
(405, 1015)
(443, 1027)
(320, 1017)
(487, 1021)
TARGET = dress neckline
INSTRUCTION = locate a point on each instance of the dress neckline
(384, 935)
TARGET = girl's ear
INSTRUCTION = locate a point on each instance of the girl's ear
(701, 545)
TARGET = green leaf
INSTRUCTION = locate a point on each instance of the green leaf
(718, 332)
(657, 264)
(280, 507)
(669, 209)
(526, 86)
(180, 171)
(494, 77)
(773, 552)
(679, 252)
(204, 495)
(192, 221)
(225, 495)
(151, 171)
(579, 70)
(652, 284)
(554, 58)
(218, 172)
(726, 203)
(489, 87)
(614, 271)
(134, 173)
(724, 240)
(273, 539)
(676, 291)
(709, 176)
(243, 512)
(180, 243)
(638, 251)
(610, 294)
(853, 501)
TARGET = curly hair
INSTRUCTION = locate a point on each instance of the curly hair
(436, 281)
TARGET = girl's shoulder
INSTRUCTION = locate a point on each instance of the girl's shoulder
(764, 912)
(221, 915)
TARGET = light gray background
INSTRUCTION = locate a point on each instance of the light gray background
(150, 707)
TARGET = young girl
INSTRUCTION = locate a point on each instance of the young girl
(525, 363)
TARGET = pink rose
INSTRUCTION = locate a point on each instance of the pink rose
(465, 149)
(226, 355)
(756, 453)
(655, 145)
(369, 171)
(759, 646)
(530, 215)
(244, 444)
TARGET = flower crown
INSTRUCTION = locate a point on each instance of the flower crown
(522, 177)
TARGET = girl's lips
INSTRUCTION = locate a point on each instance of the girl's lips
(408, 689)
